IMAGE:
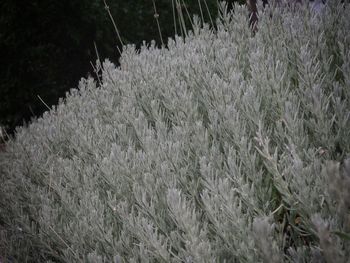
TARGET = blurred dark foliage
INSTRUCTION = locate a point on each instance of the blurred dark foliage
(46, 46)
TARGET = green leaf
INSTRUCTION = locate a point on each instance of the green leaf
(342, 235)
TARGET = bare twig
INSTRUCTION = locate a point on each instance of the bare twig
(188, 14)
(201, 11)
(156, 16)
(211, 20)
(174, 16)
(64, 242)
(47, 106)
(181, 19)
(96, 72)
(98, 66)
(114, 25)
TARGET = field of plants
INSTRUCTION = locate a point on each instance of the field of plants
(226, 146)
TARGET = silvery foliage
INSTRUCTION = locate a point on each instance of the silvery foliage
(224, 147)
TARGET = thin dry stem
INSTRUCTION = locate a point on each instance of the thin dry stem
(181, 19)
(200, 10)
(156, 16)
(114, 25)
(174, 16)
(211, 20)
(188, 14)
(47, 106)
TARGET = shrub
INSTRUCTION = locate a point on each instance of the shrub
(35, 34)
(222, 147)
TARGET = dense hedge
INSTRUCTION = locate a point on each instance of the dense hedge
(223, 147)
(47, 45)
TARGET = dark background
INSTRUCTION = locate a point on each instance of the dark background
(46, 46)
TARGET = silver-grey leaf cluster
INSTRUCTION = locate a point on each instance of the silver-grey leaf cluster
(222, 147)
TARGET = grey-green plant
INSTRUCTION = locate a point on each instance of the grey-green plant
(222, 147)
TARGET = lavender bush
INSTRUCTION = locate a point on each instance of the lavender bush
(223, 147)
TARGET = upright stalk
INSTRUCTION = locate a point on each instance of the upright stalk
(253, 15)
(156, 16)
